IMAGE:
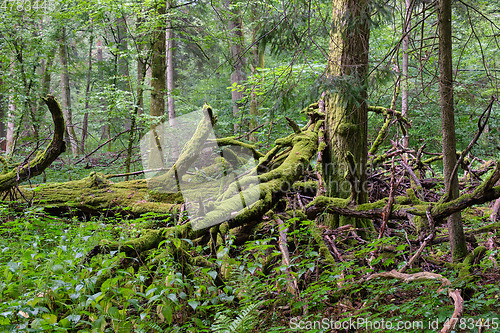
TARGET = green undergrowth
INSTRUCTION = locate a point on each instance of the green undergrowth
(45, 287)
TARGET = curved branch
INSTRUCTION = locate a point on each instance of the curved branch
(37, 165)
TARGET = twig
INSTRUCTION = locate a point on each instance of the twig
(481, 124)
(249, 132)
(135, 173)
(101, 145)
(420, 276)
(334, 248)
(413, 176)
(427, 239)
(387, 209)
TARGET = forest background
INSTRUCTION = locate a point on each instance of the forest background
(119, 69)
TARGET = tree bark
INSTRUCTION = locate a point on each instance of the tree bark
(3, 115)
(455, 227)
(87, 91)
(404, 81)
(11, 116)
(123, 70)
(346, 112)
(157, 108)
(237, 47)
(258, 62)
(66, 92)
(170, 68)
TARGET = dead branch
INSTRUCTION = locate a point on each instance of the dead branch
(420, 276)
(101, 145)
(37, 165)
(459, 309)
(283, 246)
(426, 241)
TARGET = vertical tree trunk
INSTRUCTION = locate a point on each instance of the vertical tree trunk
(46, 71)
(123, 70)
(258, 62)
(105, 128)
(157, 106)
(66, 93)
(9, 137)
(170, 69)
(11, 112)
(237, 41)
(455, 228)
(3, 115)
(158, 68)
(346, 111)
(139, 102)
(87, 91)
(404, 81)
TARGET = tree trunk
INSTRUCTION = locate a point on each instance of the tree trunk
(346, 112)
(157, 108)
(38, 164)
(404, 81)
(455, 227)
(87, 91)
(105, 129)
(66, 93)
(170, 69)
(3, 115)
(11, 116)
(258, 62)
(123, 71)
(237, 41)
(139, 102)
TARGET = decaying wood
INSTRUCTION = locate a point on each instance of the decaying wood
(420, 276)
(495, 211)
(36, 166)
(275, 174)
(426, 241)
(459, 309)
(283, 246)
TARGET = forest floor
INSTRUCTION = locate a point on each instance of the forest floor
(47, 286)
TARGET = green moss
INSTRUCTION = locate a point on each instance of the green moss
(310, 185)
(420, 224)
(323, 249)
(346, 128)
(465, 266)
(374, 205)
(323, 201)
(411, 194)
(381, 135)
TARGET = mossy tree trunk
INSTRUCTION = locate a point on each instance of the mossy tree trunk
(455, 227)
(157, 108)
(346, 109)
(34, 167)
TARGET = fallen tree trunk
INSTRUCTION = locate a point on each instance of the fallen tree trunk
(404, 206)
(36, 166)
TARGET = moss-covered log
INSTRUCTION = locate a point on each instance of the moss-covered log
(409, 205)
(36, 166)
(95, 195)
